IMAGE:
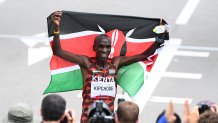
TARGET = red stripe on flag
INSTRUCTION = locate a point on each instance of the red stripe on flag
(83, 46)
(119, 42)
(150, 66)
(80, 45)
(134, 48)
(57, 63)
(139, 47)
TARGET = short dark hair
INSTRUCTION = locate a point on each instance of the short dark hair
(100, 37)
(53, 107)
(208, 117)
(127, 111)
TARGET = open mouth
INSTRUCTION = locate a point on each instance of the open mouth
(104, 55)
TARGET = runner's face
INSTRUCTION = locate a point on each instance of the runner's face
(103, 48)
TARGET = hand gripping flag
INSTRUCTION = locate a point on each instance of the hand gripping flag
(129, 35)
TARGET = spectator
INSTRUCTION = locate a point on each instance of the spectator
(208, 117)
(53, 109)
(169, 116)
(127, 112)
(198, 115)
(19, 113)
(206, 105)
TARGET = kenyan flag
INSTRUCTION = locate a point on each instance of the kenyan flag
(130, 36)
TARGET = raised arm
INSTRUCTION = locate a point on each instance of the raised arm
(58, 51)
(123, 60)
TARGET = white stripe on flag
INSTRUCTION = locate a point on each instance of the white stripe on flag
(114, 39)
(66, 69)
(157, 51)
(140, 40)
(77, 34)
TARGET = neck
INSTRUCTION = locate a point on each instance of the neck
(101, 63)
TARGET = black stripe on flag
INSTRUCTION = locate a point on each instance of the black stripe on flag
(72, 22)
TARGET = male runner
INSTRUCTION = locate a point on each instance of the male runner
(99, 73)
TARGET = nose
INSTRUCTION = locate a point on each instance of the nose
(105, 49)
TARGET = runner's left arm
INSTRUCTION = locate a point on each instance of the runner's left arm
(124, 60)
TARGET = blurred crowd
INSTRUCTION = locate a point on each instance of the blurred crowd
(53, 110)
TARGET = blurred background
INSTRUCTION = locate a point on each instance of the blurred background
(187, 68)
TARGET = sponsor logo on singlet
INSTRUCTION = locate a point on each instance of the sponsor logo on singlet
(103, 86)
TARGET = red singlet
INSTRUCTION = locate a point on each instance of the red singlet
(97, 75)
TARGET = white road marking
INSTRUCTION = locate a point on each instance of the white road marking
(168, 99)
(192, 53)
(33, 40)
(1, 1)
(199, 48)
(79, 95)
(36, 55)
(182, 75)
(161, 64)
(187, 12)
(30, 41)
(13, 36)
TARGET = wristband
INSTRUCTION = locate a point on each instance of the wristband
(56, 32)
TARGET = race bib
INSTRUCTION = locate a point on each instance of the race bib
(103, 89)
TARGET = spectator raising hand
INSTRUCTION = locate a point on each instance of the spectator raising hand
(53, 109)
(169, 116)
(190, 116)
(70, 115)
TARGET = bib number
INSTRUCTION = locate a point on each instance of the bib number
(103, 89)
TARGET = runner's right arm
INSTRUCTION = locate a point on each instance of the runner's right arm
(58, 51)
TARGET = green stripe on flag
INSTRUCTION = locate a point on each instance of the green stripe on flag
(131, 78)
(67, 81)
